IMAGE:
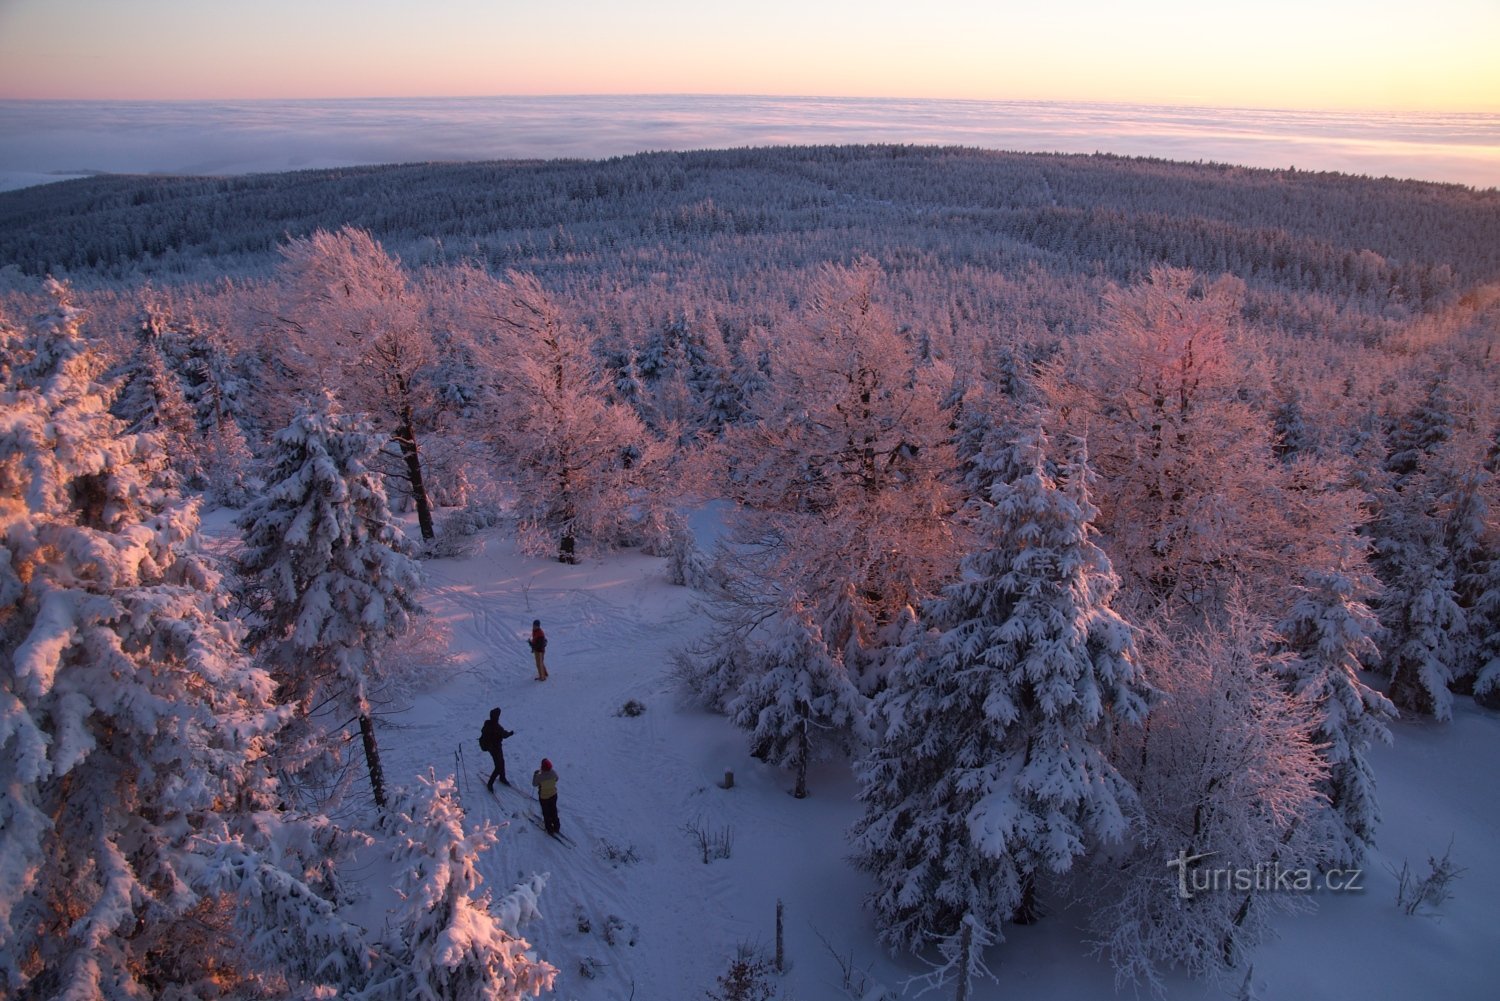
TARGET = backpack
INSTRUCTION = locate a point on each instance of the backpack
(484, 743)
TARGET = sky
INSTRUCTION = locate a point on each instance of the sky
(1438, 55)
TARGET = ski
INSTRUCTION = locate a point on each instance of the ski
(559, 836)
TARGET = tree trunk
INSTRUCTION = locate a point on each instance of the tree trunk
(1028, 911)
(965, 959)
(372, 758)
(801, 791)
(406, 437)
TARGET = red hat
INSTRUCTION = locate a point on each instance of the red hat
(546, 764)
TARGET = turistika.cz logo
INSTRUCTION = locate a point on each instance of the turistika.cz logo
(1263, 877)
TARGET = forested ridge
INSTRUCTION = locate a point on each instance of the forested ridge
(1314, 231)
(1092, 509)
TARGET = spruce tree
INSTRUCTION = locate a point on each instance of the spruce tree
(993, 770)
(445, 939)
(797, 701)
(328, 578)
(140, 847)
(1330, 632)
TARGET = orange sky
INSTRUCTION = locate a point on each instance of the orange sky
(1315, 54)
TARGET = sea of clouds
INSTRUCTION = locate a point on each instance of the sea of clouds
(42, 141)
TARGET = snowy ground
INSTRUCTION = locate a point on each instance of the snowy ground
(661, 924)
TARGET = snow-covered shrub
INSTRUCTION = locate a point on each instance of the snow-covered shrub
(746, 978)
(1423, 894)
(456, 529)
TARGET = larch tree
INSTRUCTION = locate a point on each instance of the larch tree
(1192, 497)
(327, 579)
(1229, 779)
(359, 326)
(141, 850)
(991, 769)
(842, 477)
(586, 468)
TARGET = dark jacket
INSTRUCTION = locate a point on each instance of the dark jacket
(492, 734)
(538, 641)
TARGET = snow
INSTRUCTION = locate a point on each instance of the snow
(662, 924)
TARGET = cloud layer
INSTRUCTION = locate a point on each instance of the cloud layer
(44, 140)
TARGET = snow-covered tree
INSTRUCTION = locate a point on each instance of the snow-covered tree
(1229, 777)
(359, 326)
(1420, 434)
(445, 940)
(1331, 632)
(1471, 537)
(327, 578)
(992, 767)
(213, 390)
(586, 469)
(141, 853)
(1485, 620)
(151, 401)
(1423, 623)
(1192, 498)
(842, 477)
(797, 702)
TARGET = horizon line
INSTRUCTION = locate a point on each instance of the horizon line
(1331, 110)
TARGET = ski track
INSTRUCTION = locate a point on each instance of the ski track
(624, 790)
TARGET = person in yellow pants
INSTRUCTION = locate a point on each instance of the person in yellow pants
(545, 780)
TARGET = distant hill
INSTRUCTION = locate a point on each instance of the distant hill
(1407, 242)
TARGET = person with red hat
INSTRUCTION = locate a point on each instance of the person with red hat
(545, 780)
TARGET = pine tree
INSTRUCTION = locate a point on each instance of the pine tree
(140, 851)
(327, 578)
(1330, 631)
(992, 769)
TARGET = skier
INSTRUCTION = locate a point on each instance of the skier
(538, 643)
(492, 738)
(545, 780)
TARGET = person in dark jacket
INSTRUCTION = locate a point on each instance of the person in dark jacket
(492, 738)
(545, 780)
(538, 643)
